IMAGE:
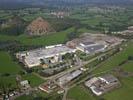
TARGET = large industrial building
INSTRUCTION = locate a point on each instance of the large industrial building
(50, 54)
(103, 84)
(68, 77)
(91, 47)
(53, 54)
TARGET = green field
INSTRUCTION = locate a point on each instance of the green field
(128, 66)
(33, 79)
(54, 38)
(84, 30)
(123, 93)
(91, 21)
(7, 65)
(8, 82)
(79, 93)
(24, 97)
(115, 60)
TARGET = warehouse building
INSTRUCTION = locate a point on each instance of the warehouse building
(91, 47)
(103, 84)
(51, 53)
(68, 77)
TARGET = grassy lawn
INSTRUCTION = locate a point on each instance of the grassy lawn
(94, 21)
(7, 65)
(84, 30)
(10, 67)
(123, 93)
(33, 79)
(24, 97)
(79, 93)
(115, 60)
(128, 66)
(8, 82)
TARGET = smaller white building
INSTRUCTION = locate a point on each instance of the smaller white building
(25, 84)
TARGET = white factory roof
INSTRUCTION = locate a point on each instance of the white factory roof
(91, 81)
(50, 52)
(87, 43)
(32, 61)
(32, 58)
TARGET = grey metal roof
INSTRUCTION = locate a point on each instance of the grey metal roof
(94, 48)
(68, 77)
(88, 43)
(110, 78)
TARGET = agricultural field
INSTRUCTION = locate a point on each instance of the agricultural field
(124, 92)
(7, 65)
(85, 30)
(79, 93)
(128, 66)
(115, 60)
(101, 19)
(7, 82)
(54, 38)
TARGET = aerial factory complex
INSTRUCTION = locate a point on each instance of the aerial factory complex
(53, 55)
(66, 49)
